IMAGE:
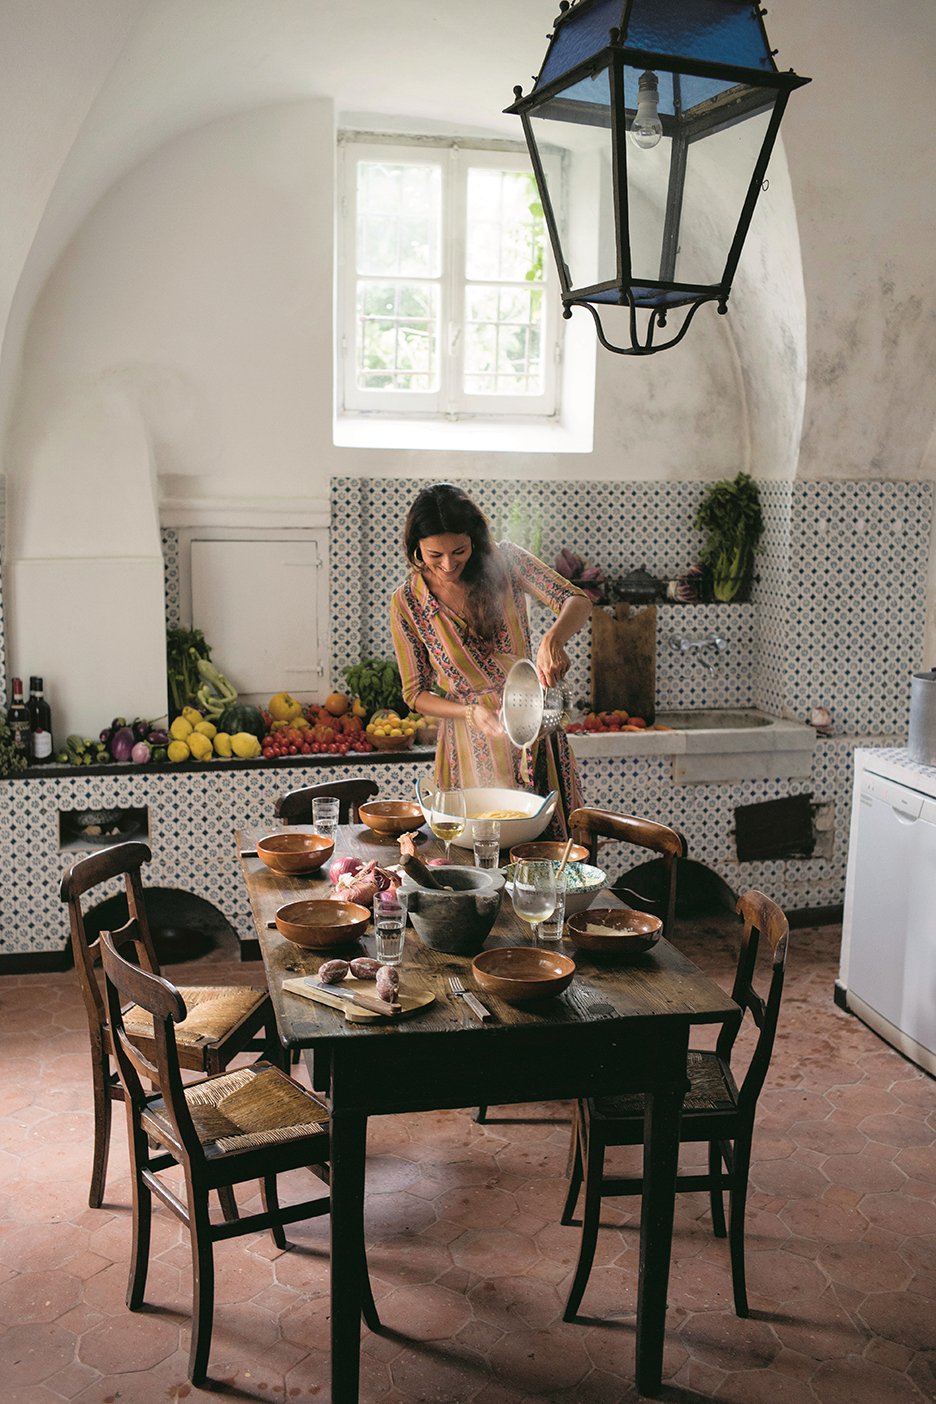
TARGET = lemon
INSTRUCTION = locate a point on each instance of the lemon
(222, 744)
(178, 751)
(245, 745)
(180, 729)
(395, 731)
(206, 728)
(200, 746)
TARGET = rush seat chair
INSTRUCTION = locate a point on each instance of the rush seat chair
(716, 1109)
(252, 1123)
(222, 1021)
(592, 824)
(296, 806)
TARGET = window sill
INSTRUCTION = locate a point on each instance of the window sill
(476, 436)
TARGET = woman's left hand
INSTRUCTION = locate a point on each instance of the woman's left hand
(552, 661)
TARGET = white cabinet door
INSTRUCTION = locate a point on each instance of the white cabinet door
(263, 608)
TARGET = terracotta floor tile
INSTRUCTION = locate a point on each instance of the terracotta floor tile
(468, 1259)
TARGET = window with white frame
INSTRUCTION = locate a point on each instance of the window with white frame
(448, 303)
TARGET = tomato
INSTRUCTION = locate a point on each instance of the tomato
(305, 748)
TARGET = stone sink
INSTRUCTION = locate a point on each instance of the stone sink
(714, 745)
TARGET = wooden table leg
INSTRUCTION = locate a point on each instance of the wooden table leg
(660, 1164)
(348, 1135)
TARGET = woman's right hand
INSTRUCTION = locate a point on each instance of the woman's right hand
(487, 721)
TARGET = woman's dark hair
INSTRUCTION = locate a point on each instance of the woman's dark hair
(445, 508)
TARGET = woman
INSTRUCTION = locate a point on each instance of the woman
(460, 622)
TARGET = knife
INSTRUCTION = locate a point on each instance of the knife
(371, 1002)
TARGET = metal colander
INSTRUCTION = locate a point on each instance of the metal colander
(530, 710)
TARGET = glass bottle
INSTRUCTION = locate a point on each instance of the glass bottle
(40, 724)
(18, 719)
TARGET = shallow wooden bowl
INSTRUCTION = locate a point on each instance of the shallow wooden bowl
(517, 974)
(578, 853)
(392, 816)
(319, 924)
(393, 743)
(628, 933)
(293, 854)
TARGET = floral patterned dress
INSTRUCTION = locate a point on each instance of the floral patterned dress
(434, 646)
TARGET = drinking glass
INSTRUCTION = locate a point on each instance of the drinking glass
(447, 816)
(486, 842)
(534, 892)
(390, 926)
(551, 928)
(325, 817)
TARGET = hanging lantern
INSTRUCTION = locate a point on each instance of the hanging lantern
(658, 117)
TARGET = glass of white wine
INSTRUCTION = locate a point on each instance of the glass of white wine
(447, 816)
(534, 892)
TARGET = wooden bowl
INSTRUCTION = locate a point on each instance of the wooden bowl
(578, 853)
(627, 933)
(319, 924)
(517, 974)
(292, 854)
(393, 743)
(392, 816)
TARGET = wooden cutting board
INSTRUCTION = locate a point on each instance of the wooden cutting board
(624, 660)
(411, 1000)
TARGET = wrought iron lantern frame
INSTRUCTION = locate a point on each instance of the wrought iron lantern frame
(745, 96)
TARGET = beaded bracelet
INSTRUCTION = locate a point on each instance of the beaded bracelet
(470, 716)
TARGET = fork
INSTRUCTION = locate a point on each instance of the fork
(475, 1005)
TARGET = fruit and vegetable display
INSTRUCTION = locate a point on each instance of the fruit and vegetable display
(618, 720)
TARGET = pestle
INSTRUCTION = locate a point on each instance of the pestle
(414, 865)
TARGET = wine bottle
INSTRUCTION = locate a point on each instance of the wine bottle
(18, 719)
(40, 724)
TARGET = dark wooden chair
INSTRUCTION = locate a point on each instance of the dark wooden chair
(252, 1123)
(715, 1110)
(223, 1020)
(590, 824)
(296, 806)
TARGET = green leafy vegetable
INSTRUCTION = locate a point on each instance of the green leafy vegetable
(183, 648)
(730, 512)
(378, 684)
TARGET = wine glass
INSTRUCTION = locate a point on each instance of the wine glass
(534, 892)
(447, 816)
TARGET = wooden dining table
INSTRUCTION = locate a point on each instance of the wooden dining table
(616, 1028)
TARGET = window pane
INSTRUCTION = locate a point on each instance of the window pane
(505, 228)
(399, 217)
(503, 341)
(397, 336)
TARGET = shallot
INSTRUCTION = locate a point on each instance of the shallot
(362, 887)
(342, 866)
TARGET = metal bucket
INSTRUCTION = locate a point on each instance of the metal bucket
(529, 710)
(921, 742)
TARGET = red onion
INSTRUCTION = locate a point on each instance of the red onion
(344, 865)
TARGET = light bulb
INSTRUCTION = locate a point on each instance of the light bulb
(646, 128)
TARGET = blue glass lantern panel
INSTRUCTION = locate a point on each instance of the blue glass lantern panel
(718, 31)
(577, 38)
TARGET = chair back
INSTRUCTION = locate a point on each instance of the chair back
(296, 806)
(130, 984)
(123, 860)
(761, 917)
(592, 824)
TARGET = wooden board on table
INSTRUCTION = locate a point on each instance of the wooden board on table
(411, 1000)
(624, 661)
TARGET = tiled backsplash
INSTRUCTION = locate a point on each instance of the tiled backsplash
(836, 618)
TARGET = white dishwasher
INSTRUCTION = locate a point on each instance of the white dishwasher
(891, 960)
